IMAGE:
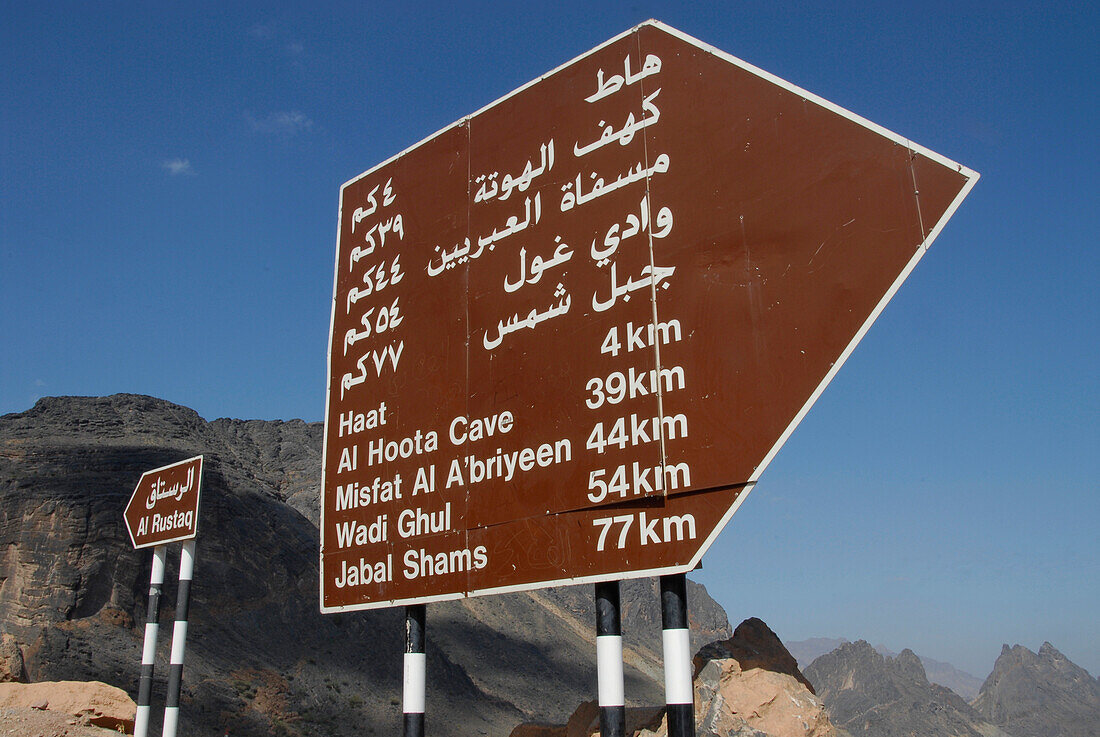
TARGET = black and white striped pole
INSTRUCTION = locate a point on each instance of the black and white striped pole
(149, 650)
(609, 660)
(179, 639)
(679, 696)
(414, 683)
(163, 509)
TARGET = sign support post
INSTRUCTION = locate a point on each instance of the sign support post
(179, 638)
(149, 650)
(679, 695)
(609, 660)
(163, 509)
(415, 667)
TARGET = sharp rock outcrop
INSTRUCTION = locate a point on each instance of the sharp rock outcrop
(1041, 693)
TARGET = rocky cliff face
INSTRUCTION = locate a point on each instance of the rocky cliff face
(1040, 694)
(874, 696)
(260, 658)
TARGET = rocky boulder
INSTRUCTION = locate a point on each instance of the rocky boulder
(91, 703)
(750, 685)
(12, 667)
(753, 646)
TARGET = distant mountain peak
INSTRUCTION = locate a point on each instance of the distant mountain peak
(908, 663)
(1049, 651)
(869, 695)
(936, 671)
(1040, 693)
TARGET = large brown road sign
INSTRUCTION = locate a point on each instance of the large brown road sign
(571, 330)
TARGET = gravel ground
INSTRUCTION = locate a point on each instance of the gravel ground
(37, 723)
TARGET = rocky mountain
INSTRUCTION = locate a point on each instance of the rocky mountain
(1040, 694)
(260, 658)
(807, 651)
(945, 674)
(870, 695)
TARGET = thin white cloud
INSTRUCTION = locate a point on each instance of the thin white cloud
(285, 123)
(262, 30)
(267, 31)
(178, 167)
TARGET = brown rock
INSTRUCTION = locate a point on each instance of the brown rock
(91, 702)
(535, 729)
(753, 645)
(775, 703)
(584, 718)
(585, 722)
(756, 702)
(750, 686)
(11, 660)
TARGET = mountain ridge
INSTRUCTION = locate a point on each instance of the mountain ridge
(871, 695)
(1040, 693)
(945, 674)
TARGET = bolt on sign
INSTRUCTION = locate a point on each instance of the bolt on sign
(571, 330)
(164, 507)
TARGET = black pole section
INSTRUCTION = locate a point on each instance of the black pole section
(609, 660)
(149, 649)
(679, 695)
(414, 686)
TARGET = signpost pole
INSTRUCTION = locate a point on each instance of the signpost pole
(414, 683)
(149, 650)
(609, 660)
(179, 637)
(679, 695)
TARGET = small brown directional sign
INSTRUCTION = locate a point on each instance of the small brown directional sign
(165, 505)
(571, 330)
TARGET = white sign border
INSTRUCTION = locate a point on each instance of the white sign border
(970, 175)
(198, 500)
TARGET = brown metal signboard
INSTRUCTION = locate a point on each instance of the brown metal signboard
(164, 507)
(571, 330)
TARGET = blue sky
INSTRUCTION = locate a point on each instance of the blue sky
(169, 180)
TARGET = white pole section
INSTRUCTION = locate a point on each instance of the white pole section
(679, 696)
